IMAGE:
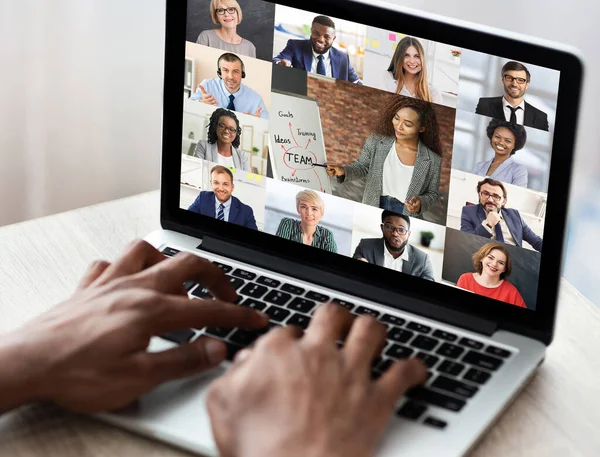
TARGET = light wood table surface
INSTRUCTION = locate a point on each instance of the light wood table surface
(557, 414)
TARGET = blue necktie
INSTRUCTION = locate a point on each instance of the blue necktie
(499, 236)
(221, 215)
(320, 65)
(231, 106)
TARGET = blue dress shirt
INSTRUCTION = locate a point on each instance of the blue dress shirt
(509, 172)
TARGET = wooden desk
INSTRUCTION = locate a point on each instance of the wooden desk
(41, 260)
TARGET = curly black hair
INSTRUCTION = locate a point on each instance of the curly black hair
(517, 130)
(214, 120)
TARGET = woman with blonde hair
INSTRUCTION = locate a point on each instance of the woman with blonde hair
(227, 14)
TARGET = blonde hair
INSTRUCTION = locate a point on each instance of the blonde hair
(229, 3)
(310, 196)
(397, 64)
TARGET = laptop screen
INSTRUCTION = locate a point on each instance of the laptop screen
(414, 155)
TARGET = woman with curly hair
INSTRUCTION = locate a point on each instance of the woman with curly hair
(505, 139)
(222, 145)
(401, 159)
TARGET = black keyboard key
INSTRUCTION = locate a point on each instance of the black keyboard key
(316, 296)
(179, 336)
(254, 304)
(232, 350)
(224, 267)
(424, 342)
(477, 376)
(482, 361)
(299, 320)
(247, 275)
(292, 289)
(498, 352)
(170, 251)
(450, 350)
(189, 285)
(411, 410)
(244, 337)
(470, 343)
(236, 283)
(437, 423)
(365, 310)
(277, 314)
(399, 334)
(346, 304)
(253, 290)
(454, 387)
(277, 298)
(435, 398)
(202, 292)
(445, 335)
(219, 332)
(301, 304)
(269, 327)
(451, 368)
(428, 359)
(270, 282)
(418, 327)
(399, 352)
(383, 366)
(389, 319)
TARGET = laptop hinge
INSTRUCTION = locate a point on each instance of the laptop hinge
(347, 285)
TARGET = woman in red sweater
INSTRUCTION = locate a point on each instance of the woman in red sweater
(492, 265)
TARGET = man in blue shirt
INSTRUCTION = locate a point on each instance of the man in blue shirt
(227, 91)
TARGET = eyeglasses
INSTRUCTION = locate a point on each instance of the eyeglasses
(390, 228)
(229, 129)
(509, 79)
(486, 195)
(221, 11)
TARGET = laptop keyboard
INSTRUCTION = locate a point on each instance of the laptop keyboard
(457, 366)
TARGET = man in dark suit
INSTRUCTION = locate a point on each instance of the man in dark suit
(393, 251)
(491, 219)
(317, 55)
(512, 107)
(220, 204)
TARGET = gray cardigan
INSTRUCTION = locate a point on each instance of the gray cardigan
(425, 180)
(205, 150)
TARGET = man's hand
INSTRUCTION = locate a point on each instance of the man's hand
(206, 97)
(257, 113)
(285, 63)
(89, 353)
(297, 395)
(334, 170)
(414, 205)
(492, 218)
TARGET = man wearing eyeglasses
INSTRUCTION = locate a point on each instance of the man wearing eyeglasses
(393, 251)
(317, 54)
(512, 107)
(491, 219)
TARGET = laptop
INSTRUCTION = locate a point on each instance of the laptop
(402, 165)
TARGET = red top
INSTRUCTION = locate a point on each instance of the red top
(505, 292)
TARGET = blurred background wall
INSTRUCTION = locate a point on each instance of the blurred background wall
(81, 89)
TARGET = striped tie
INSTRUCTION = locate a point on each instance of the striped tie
(221, 215)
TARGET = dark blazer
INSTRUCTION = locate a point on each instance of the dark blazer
(418, 262)
(239, 213)
(492, 107)
(299, 52)
(473, 216)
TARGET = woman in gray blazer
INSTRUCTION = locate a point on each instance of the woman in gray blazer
(222, 144)
(401, 159)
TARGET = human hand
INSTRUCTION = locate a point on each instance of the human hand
(89, 352)
(492, 218)
(413, 205)
(362, 259)
(297, 395)
(285, 63)
(333, 170)
(257, 113)
(206, 97)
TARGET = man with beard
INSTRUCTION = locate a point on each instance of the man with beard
(491, 219)
(393, 251)
(316, 55)
(512, 107)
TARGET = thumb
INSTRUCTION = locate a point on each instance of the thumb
(201, 87)
(258, 111)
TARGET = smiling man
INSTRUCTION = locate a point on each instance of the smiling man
(393, 251)
(317, 54)
(512, 107)
(220, 204)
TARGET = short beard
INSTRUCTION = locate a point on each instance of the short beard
(395, 249)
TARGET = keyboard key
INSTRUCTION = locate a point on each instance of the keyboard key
(424, 342)
(451, 368)
(418, 327)
(450, 350)
(365, 310)
(202, 292)
(435, 398)
(346, 304)
(253, 290)
(411, 410)
(493, 350)
(445, 335)
(482, 361)
(399, 352)
(236, 283)
(248, 275)
(437, 423)
(384, 365)
(270, 282)
(224, 267)
(301, 304)
(470, 343)
(170, 251)
(299, 320)
(277, 298)
(477, 376)
(292, 289)
(189, 285)
(389, 319)
(428, 359)
(232, 350)
(244, 337)
(254, 304)
(316, 296)
(399, 334)
(454, 387)
(277, 314)
(269, 327)
(219, 332)
(179, 336)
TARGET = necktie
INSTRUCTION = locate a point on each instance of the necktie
(513, 114)
(231, 106)
(221, 215)
(320, 65)
(498, 230)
